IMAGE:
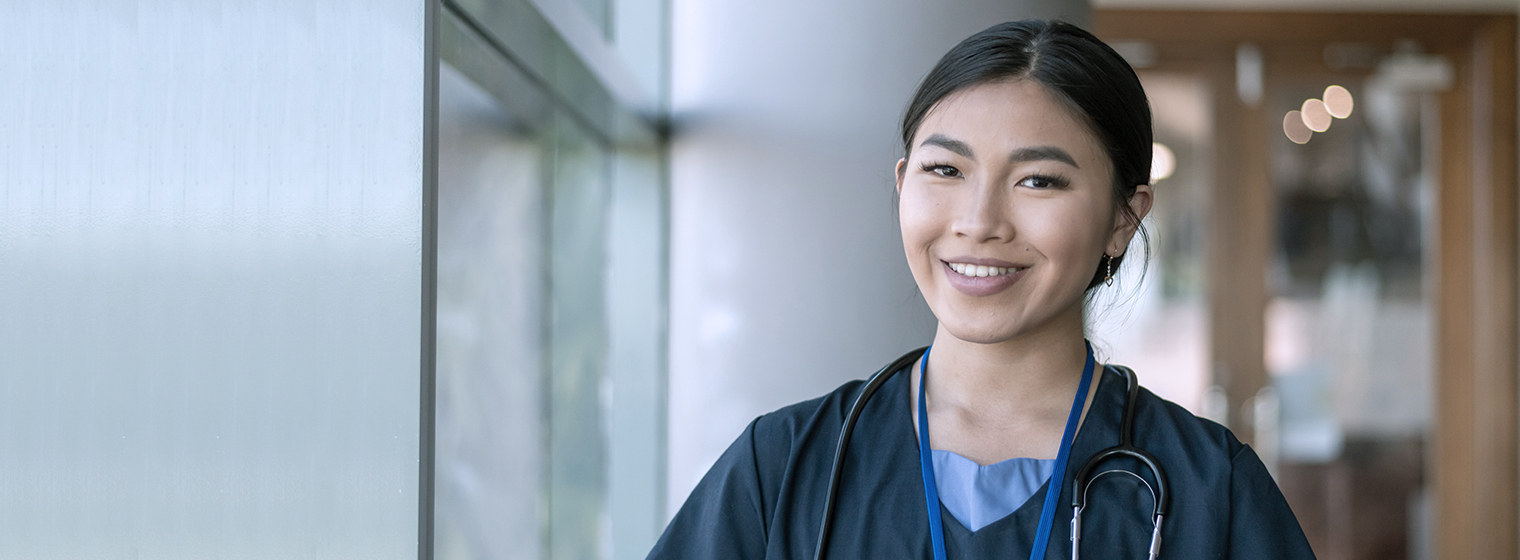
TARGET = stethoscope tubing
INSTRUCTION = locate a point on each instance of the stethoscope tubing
(1161, 495)
(872, 384)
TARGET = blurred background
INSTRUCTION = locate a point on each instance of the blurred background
(502, 278)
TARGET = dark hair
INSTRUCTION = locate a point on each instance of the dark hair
(1092, 80)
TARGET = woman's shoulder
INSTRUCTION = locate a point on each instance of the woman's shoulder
(777, 468)
(1198, 450)
(1194, 448)
(1163, 418)
(814, 420)
(1219, 482)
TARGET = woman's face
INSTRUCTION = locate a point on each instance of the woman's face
(1006, 210)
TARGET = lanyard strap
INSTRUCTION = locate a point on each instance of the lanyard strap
(1057, 477)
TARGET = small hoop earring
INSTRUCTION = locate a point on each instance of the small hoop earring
(1108, 277)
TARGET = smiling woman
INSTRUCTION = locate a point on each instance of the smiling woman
(1025, 175)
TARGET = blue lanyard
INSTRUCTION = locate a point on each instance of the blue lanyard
(1057, 477)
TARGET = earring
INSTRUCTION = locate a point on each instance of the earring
(1108, 277)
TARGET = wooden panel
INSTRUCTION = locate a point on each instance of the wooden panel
(1240, 243)
(1189, 27)
(1497, 273)
(1478, 508)
(1452, 272)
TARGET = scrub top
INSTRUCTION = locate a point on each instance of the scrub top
(764, 497)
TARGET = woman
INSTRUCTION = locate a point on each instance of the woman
(1025, 175)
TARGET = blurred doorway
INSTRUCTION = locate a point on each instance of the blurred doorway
(1358, 259)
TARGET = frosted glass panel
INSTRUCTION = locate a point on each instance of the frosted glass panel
(210, 230)
(492, 280)
(580, 390)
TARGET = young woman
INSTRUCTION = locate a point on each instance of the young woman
(1025, 175)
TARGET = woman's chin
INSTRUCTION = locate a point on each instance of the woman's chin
(981, 333)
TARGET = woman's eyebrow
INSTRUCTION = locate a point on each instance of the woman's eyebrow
(1021, 155)
(961, 148)
(1039, 153)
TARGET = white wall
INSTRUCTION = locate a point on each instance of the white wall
(787, 270)
(211, 271)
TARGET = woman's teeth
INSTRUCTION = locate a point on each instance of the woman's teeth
(978, 270)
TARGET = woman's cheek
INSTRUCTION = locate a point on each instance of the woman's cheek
(1068, 238)
(916, 219)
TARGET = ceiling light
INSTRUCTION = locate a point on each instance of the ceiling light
(1294, 127)
(1163, 162)
(1316, 116)
(1338, 102)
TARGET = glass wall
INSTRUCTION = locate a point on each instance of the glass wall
(217, 304)
(212, 264)
(551, 289)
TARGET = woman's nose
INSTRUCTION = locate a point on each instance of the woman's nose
(982, 214)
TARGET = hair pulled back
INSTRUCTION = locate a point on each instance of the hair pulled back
(1085, 74)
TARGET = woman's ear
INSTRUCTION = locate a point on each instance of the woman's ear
(1125, 228)
(902, 167)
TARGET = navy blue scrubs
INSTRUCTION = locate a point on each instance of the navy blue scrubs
(764, 497)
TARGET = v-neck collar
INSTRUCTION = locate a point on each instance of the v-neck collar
(1099, 430)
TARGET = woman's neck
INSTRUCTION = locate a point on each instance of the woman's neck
(990, 402)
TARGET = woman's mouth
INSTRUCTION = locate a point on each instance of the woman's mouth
(980, 280)
(966, 269)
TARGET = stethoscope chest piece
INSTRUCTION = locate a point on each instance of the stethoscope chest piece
(1160, 497)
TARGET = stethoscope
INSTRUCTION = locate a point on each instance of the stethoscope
(1160, 496)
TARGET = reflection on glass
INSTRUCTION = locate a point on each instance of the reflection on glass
(523, 385)
(1348, 336)
(579, 388)
(491, 287)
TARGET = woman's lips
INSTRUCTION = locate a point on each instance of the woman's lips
(970, 280)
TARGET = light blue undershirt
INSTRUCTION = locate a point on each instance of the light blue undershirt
(978, 495)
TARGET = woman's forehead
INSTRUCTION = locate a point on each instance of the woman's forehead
(1008, 115)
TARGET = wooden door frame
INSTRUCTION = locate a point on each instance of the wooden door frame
(1475, 455)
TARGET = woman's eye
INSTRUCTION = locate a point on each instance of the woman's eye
(1043, 182)
(943, 170)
